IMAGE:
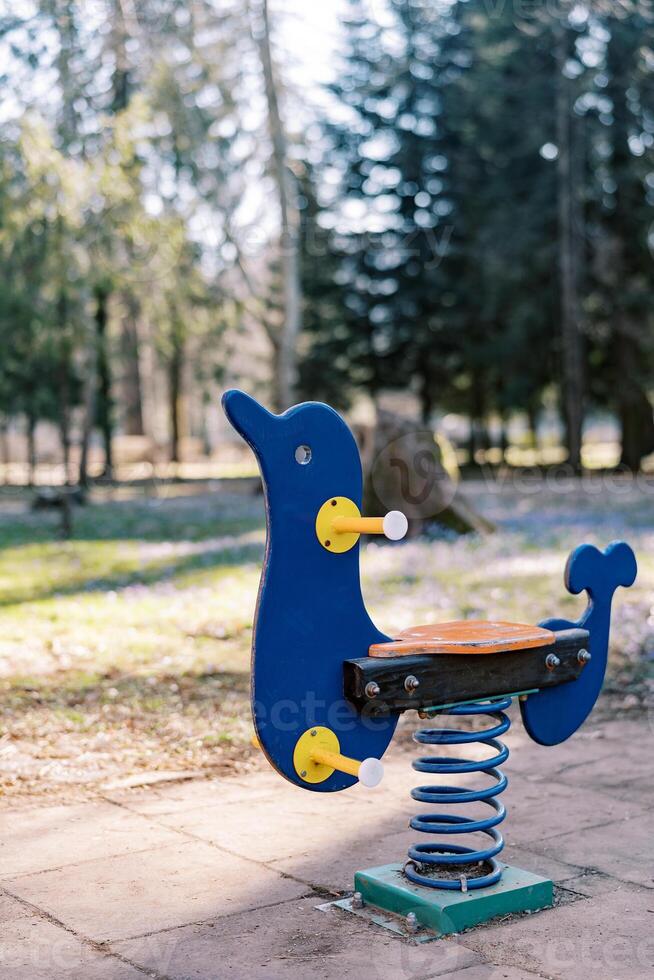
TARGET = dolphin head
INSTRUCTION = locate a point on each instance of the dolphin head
(305, 455)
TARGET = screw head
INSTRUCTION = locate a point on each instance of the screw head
(583, 656)
(411, 922)
(313, 731)
(357, 900)
(411, 683)
(552, 661)
(372, 689)
(303, 773)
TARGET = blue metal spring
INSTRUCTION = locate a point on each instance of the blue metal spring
(435, 855)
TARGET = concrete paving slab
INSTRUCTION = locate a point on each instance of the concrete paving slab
(488, 972)
(34, 949)
(593, 883)
(201, 906)
(332, 868)
(607, 938)
(177, 797)
(293, 941)
(549, 867)
(291, 823)
(623, 849)
(129, 895)
(593, 742)
(40, 838)
(630, 780)
(539, 811)
(11, 909)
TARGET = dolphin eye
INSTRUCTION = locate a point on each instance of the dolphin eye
(303, 455)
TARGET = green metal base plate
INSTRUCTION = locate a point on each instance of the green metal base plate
(441, 912)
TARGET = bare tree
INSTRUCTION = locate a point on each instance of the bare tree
(284, 338)
(570, 248)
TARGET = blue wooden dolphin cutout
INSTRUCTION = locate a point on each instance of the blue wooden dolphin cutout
(310, 614)
(554, 714)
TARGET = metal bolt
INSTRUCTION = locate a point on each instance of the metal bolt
(357, 900)
(411, 683)
(411, 922)
(303, 773)
(372, 689)
(583, 656)
(552, 661)
(313, 731)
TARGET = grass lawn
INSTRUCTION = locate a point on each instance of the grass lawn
(125, 651)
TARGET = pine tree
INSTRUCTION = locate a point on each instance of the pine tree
(626, 223)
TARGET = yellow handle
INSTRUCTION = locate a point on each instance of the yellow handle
(317, 754)
(358, 525)
(336, 761)
(339, 524)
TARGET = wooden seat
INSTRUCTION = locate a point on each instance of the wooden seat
(468, 636)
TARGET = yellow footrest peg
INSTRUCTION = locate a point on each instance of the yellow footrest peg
(317, 755)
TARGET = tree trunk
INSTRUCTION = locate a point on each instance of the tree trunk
(637, 429)
(101, 401)
(132, 384)
(569, 256)
(286, 353)
(472, 440)
(634, 407)
(31, 449)
(175, 370)
(4, 448)
(504, 436)
(477, 434)
(64, 436)
(64, 382)
(121, 82)
(532, 423)
(104, 405)
(426, 398)
(90, 389)
(630, 270)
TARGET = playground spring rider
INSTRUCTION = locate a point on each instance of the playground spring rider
(316, 648)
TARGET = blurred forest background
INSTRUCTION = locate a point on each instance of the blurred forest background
(463, 214)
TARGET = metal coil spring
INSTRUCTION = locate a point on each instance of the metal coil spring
(434, 855)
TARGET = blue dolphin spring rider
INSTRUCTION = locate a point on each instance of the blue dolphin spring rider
(328, 687)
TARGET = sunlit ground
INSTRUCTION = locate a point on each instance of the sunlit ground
(125, 651)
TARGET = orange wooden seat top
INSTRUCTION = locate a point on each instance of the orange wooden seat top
(465, 636)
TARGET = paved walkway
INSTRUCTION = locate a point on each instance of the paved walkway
(217, 879)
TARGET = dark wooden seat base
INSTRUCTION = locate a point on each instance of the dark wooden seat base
(449, 678)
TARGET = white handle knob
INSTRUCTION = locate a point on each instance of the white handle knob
(371, 772)
(395, 525)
